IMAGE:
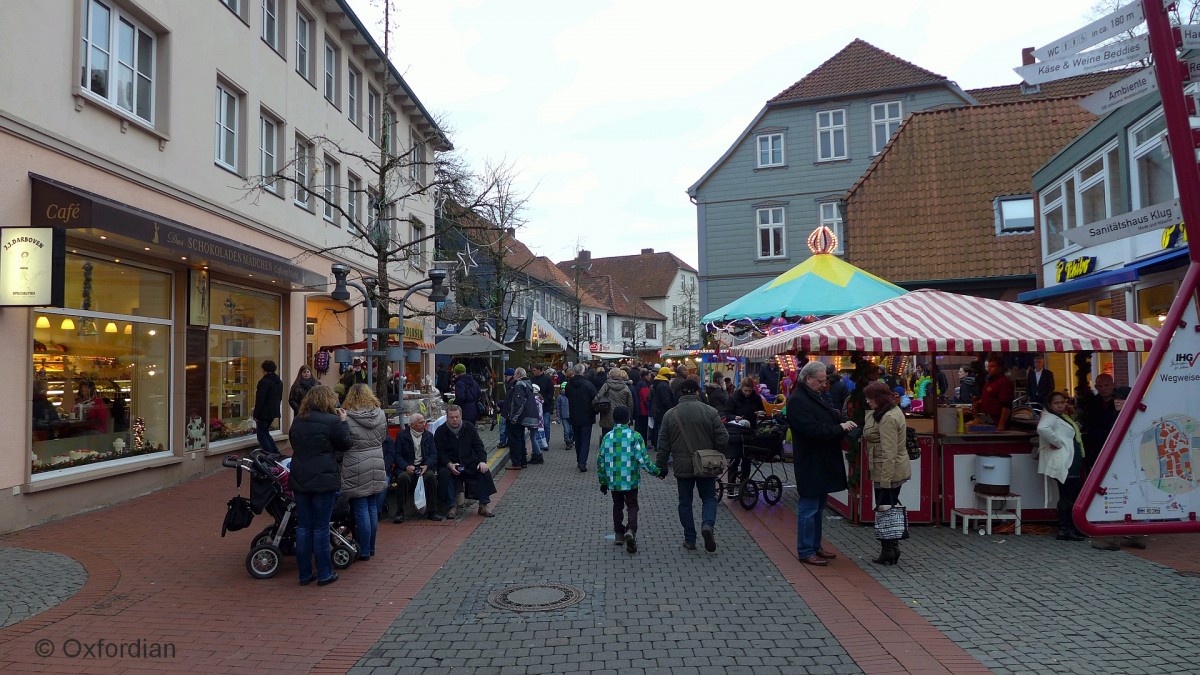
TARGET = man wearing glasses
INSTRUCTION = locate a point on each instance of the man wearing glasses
(415, 458)
(817, 434)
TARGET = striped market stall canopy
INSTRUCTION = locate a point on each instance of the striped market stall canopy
(935, 322)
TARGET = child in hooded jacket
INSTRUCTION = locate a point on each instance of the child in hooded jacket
(563, 410)
(619, 462)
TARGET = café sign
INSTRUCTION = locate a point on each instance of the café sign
(32, 264)
(1066, 270)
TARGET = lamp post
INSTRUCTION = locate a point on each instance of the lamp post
(340, 274)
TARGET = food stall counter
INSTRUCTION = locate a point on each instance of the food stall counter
(962, 469)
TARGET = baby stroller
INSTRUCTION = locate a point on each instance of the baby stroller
(763, 445)
(269, 493)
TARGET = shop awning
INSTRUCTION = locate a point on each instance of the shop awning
(1126, 274)
(935, 322)
(542, 335)
(609, 356)
(468, 343)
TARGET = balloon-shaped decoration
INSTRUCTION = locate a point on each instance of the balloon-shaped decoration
(822, 240)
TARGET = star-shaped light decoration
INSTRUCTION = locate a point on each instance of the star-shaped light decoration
(466, 258)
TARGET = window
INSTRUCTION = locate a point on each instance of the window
(331, 71)
(372, 114)
(831, 135)
(416, 170)
(1014, 214)
(227, 127)
(599, 337)
(831, 217)
(268, 151)
(303, 40)
(389, 131)
(233, 5)
(353, 93)
(770, 232)
(885, 119)
(244, 330)
(417, 252)
(270, 23)
(302, 172)
(627, 330)
(1083, 196)
(1152, 175)
(118, 60)
(353, 198)
(651, 331)
(770, 150)
(675, 316)
(329, 190)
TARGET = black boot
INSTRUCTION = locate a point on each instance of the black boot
(885, 554)
(895, 551)
(1069, 534)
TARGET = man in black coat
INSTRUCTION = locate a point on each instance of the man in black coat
(268, 397)
(662, 399)
(580, 393)
(462, 461)
(414, 458)
(836, 388)
(1040, 382)
(817, 434)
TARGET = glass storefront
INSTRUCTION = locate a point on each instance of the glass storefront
(102, 366)
(244, 331)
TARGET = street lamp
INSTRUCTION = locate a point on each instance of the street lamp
(341, 275)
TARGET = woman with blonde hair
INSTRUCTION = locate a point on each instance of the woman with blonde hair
(319, 438)
(887, 457)
(364, 476)
(616, 391)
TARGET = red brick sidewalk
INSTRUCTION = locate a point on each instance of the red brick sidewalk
(159, 572)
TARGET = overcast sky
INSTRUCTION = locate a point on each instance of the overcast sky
(610, 109)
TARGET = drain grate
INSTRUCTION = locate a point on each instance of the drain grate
(536, 597)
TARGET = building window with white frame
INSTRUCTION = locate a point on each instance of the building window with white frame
(770, 227)
(234, 6)
(599, 328)
(627, 330)
(1151, 173)
(353, 199)
(372, 114)
(118, 60)
(389, 131)
(831, 216)
(417, 168)
(651, 331)
(1084, 195)
(331, 73)
(268, 152)
(353, 94)
(418, 244)
(885, 120)
(302, 163)
(304, 28)
(1014, 214)
(770, 150)
(831, 135)
(329, 190)
(227, 127)
(270, 23)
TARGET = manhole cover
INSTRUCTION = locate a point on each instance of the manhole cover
(536, 597)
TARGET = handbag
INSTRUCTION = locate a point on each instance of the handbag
(708, 463)
(419, 495)
(238, 515)
(911, 444)
(891, 524)
(601, 404)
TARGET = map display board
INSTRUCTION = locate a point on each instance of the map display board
(1147, 479)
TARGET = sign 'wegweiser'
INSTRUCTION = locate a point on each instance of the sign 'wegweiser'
(1129, 224)
(1116, 95)
(1106, 57)
(1105, 28)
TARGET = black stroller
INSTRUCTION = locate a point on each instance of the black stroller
(755, 448)
(269, 493)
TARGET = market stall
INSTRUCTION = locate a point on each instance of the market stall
(931, 322)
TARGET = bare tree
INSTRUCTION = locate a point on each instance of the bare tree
(687, 331)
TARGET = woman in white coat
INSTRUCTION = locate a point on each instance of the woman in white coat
(1060, 450)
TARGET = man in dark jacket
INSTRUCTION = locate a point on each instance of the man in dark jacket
(414, 458)
(662, 399)
(817, 434)
(462, 461)
(836, 389)
(580, 393)
(268, 397)
(521, 405)
(690, 426)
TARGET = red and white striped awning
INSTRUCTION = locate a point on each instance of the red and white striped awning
(935, 322)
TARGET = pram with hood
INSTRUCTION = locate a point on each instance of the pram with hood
(762, 445)
(270, 494)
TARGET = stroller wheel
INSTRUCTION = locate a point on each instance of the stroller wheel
(262, 562)
(749, 496)
(772, 490)
(263, 538)
(342, 556)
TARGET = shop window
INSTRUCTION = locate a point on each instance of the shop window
(101, 368)
(244, 331)
(1153, 303)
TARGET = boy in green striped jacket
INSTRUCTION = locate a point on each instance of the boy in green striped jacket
(619, 463)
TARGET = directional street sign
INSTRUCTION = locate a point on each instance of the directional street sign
(1129, 224)
(1102, 29)
(1116, 95)
(1109, 56)
(1191, 36)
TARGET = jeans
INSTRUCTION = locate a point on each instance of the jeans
(707, 487)
(809, 516)
(568, 437)
(625, 500)
(504, 434)
(583, 441)
(516, 444)
(366, 523)
(262, 428)
(313, 510)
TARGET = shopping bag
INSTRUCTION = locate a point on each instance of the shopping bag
(419, 495)
(891, 524)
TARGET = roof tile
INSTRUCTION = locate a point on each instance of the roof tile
(859, 67)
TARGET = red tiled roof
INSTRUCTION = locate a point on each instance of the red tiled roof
(1080, 85)
(648, 275)
(859, 67)
(619, 300)
(923, 209)
(544, 269)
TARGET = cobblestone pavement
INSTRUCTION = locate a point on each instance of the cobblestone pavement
(663, 609)
(35, 581)
(1034, 604)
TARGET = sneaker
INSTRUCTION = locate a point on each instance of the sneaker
(689, 545)
(630, 542)
(618, 538)
(735, 493)
(710, 542)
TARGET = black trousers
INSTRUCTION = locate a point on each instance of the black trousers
(1068, 492)
(625, 500)
(887, 496)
